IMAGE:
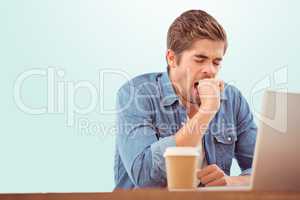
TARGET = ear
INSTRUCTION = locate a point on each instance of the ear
(170, 56)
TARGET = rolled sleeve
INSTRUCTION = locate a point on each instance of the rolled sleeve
(158, 149)
(246, 172)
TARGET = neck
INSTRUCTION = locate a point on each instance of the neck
(191, 108)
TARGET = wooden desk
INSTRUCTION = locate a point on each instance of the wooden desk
(148, 194)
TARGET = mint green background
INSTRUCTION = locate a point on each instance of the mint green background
(40, 153)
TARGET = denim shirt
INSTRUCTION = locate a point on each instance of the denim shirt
(149, 115)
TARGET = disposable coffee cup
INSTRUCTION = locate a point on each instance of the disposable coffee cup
(181, 167)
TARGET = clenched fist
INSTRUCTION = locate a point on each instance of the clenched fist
(209, 91)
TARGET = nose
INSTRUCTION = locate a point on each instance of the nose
(209, 70)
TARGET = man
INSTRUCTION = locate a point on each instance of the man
(185, 106)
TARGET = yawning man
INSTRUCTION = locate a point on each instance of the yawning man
(186, 105)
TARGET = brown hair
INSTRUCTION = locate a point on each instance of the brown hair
(190, 26)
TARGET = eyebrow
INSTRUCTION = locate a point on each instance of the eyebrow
(202, 56)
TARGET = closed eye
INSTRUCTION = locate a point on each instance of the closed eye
(199, 61)
(217, 63)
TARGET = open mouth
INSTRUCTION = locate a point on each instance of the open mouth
(196, 85)
(195, 89)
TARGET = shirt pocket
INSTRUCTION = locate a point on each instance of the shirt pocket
(225, 146)
(227, 138)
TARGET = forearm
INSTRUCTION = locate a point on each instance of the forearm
(148, 167)
(191, 133)
(144, 174)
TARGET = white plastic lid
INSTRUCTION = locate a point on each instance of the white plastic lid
(182, 151)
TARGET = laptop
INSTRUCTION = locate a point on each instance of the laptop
(276, 165)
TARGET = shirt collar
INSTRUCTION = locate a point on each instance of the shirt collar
(168, 95)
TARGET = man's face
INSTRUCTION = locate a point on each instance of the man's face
(201, 61)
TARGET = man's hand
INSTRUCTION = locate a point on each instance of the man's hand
(209, 92)
(212, 175)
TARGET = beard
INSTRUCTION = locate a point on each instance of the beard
(191, 97)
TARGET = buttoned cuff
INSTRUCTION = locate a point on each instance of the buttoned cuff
(246, 172)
